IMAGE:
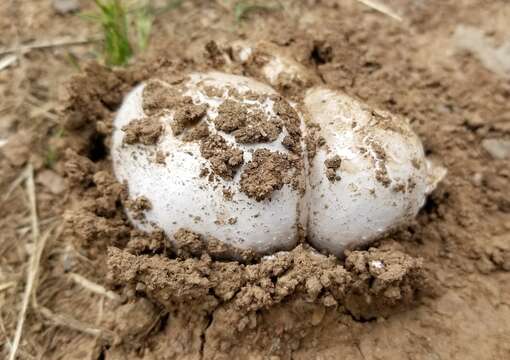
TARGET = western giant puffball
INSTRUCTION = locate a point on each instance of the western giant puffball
(227, 157)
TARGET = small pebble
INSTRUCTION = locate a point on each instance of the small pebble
(51, 181)
(66, 6)
(475, 122)
(477, 179)
(498, 148)
(377, 264)
(140, 287)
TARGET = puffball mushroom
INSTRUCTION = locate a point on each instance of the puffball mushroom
(370, 176)
(204, 156)
(224, 156)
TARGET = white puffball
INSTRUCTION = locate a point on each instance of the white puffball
(180, 198)
(382, 179)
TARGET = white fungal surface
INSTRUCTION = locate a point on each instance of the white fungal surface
(381, 182)
(382, 177)
(181, 199)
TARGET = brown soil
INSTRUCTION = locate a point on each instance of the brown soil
(231, 116)
(187, 114)
(159, 98)
(138, 206)
(436, 289)
(266, 172)
(291, 122)
(332, 165)
(247, 127)
(146, 131)
(224, 158)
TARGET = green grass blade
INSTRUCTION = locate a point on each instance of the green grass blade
(143, 23)
(113, 19)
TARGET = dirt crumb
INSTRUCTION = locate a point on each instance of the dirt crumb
(313, 140)
(145, 131)
(79, 169)
(135, 319)
(212, 91)
(158, 96)
(141, 242)
(109, 194)
(259, 128)
(291, 122)
(197, 132)
(138, 207)
(187, 114)
(401, 187)
(160, 99)
(93, 93)
(247, 126)
(188, 244)
(267, 172)
(416, 163)
(380, 157)
(160, 157)
(224, 158)
(332, 165)
(388, 122)
(228, 194)
(395, 277)
(91, 231)
(232, 115)
(203, 172)
(214, 54)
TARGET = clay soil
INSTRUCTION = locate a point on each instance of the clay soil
(99, 289)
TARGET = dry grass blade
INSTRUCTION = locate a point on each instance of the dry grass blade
(74, 324)
(99, 319)
(7, 61)
(382, 8)
(47, 45)
(30, 185)
(4, 332)
(18, 181)
(7, 285)
(64, 320)
(34, 261)
(8, 343)
(93, 287)
(23, 229)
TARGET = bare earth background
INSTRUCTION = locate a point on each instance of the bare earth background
(446, 66)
